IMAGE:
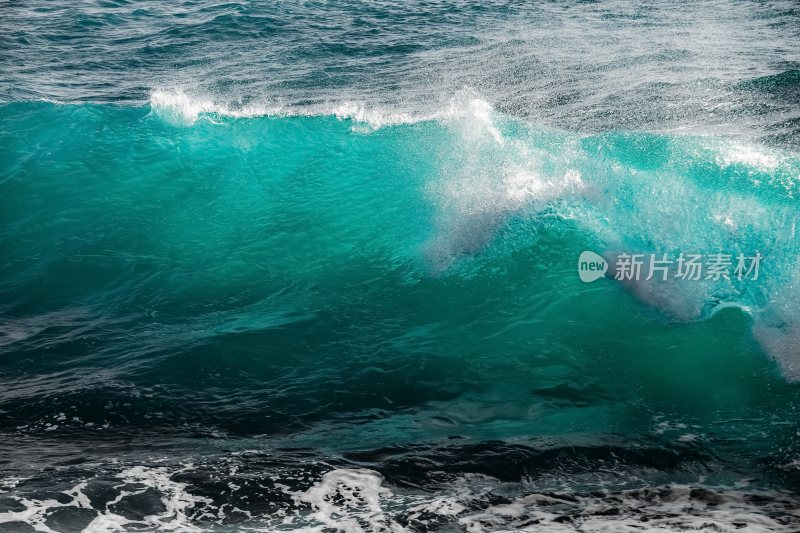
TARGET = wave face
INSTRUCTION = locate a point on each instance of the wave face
(314, 267)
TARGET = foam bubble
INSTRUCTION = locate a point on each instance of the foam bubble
(134, 481)
(349, 500)
(186, 107)
(750, 155)
(179, 106)
(357, 500)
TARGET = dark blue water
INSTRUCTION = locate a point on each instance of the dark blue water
(312, 266)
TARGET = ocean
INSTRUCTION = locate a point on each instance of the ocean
(373, 266)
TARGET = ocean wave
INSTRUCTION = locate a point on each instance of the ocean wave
(318, 267)
(481, 175)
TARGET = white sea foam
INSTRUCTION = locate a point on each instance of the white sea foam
(183, 107)
(486, 177)
(749, 155)
(132, 482)
(356, 501)
(186, 107)
(360, 501)
(349, 500)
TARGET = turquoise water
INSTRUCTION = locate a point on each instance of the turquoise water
(247, 282)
